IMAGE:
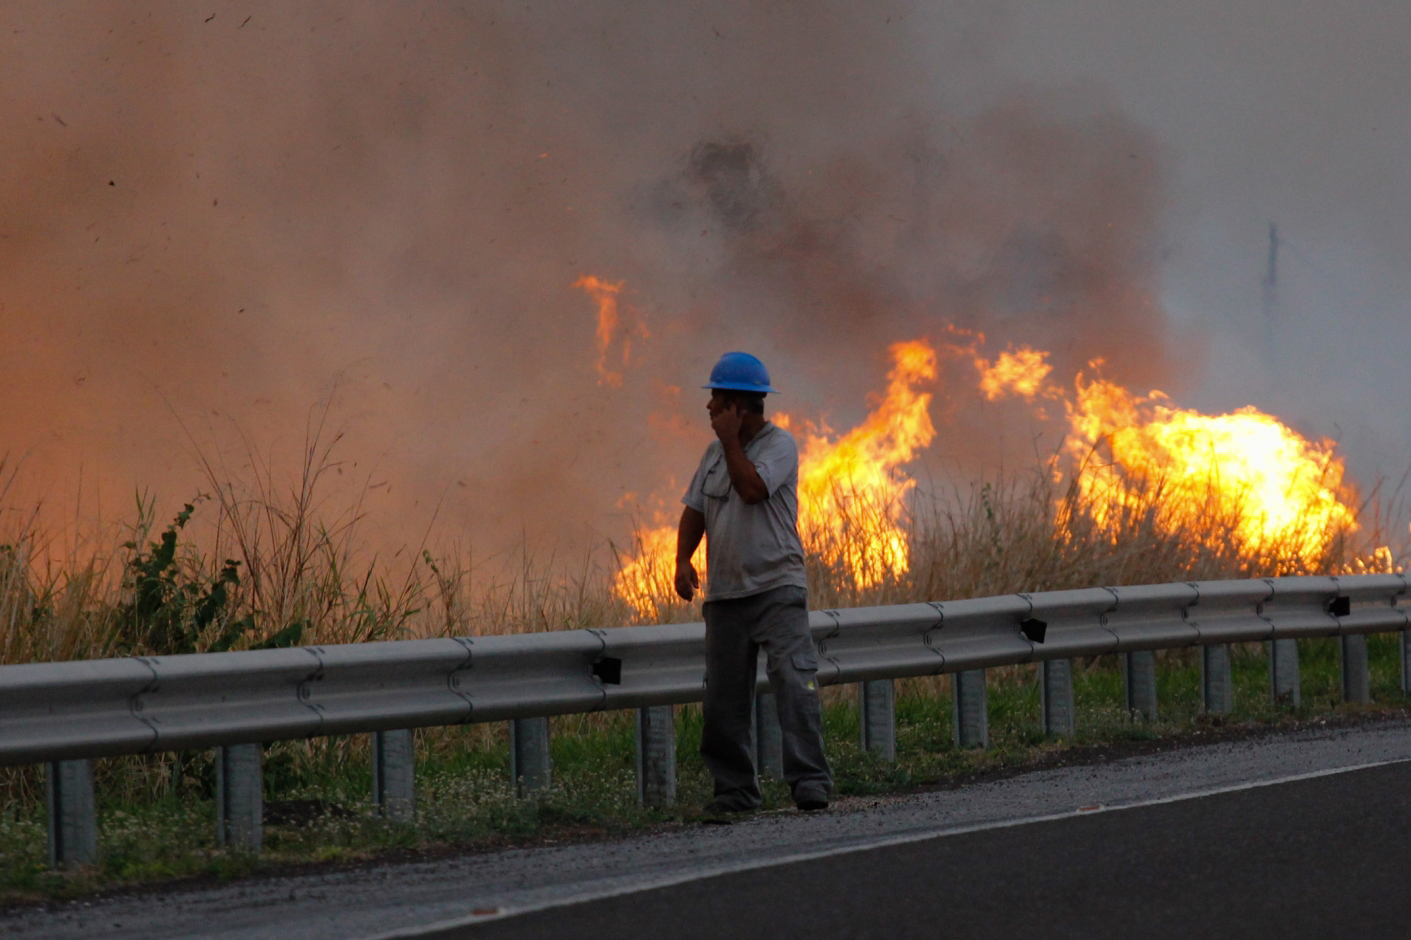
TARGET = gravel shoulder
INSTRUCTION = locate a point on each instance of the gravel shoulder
(395, 897)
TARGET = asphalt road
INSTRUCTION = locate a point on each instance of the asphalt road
(962, 862)
(1320, 857)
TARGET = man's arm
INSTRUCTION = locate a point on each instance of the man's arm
(743, 475)
(688, 539)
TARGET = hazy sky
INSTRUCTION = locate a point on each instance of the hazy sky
(213, 218)
(1268, 111)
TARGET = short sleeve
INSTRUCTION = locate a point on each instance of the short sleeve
(777, 460)
(695, 493)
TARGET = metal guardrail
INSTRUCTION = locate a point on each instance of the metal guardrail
(98, 708)
(78, 710)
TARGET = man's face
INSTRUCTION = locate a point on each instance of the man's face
(720, 400)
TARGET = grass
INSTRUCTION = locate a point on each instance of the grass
(317, 792)
(261, 563)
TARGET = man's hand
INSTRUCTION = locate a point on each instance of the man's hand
(688, 538)
(726, 424)
(687, 581)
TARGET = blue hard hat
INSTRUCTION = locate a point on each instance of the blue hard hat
(740, 372)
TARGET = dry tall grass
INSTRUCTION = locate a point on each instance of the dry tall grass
(304, 577)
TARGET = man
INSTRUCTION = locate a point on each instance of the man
(744, 500)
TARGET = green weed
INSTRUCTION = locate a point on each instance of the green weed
(275, 569)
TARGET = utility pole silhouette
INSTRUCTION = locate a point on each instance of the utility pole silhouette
(1271, 295)
(1283, 653)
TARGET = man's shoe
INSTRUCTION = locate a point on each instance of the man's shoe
(811, 802)
(722, 812)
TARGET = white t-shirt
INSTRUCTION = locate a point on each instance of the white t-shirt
(751, 549)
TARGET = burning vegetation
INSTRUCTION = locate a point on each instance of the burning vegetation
(1243, 484)
(852, 488)
(1275, 489)
(393, 214)
(1135, 490)
(507, 310)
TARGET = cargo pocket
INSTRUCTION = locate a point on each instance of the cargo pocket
(805, 662)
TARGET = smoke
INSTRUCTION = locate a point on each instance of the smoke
(1270, 111)
(218, 220)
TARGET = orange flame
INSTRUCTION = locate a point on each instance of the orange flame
(646, 579)
(1276, 487)
(1280, 489)
(1273, 489)
(1019, 372)
(852, 492)
(610, 326)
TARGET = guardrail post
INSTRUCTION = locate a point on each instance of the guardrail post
(1406, 661)
(768, 738)
(656, 755)
(394, 774)
(876, 706)
(530, 766)
(73, 814)
(972, 720)
(1216, 681)
(1356, 686)
(1283, 672)
(1056, 696)
(1139, 675)
(240, 798)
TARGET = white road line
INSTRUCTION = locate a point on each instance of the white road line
(711, 871)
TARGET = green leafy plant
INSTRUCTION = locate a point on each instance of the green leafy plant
(172, 607)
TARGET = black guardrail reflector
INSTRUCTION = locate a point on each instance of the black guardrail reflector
(608, 670)
(1034, 629)
(1340, 606)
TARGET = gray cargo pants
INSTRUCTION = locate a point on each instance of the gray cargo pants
(736, 630)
